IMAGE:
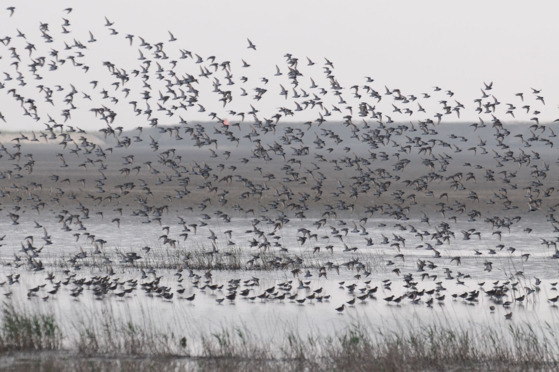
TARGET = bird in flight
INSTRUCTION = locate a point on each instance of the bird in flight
(251, 45)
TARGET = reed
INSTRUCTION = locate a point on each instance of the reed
(24, 329)
(103, 340)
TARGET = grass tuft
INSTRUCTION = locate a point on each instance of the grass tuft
(24, 330)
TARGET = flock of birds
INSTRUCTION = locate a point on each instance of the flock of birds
(380, 156)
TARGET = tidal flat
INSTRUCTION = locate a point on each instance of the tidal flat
(372, 237)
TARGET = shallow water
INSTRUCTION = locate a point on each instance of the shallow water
(399, 242)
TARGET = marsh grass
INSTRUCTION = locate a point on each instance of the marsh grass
(104, 340)
(28, 330)
(102, 332)
(431, 347)
(202, 257)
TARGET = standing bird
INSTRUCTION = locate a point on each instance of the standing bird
(191, 298)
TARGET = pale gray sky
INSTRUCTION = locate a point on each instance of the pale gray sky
(409, 45)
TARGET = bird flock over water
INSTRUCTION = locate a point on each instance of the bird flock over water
(377, 172)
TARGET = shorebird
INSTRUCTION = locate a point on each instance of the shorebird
(251, 45)
(191, 298)
(326, 179)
